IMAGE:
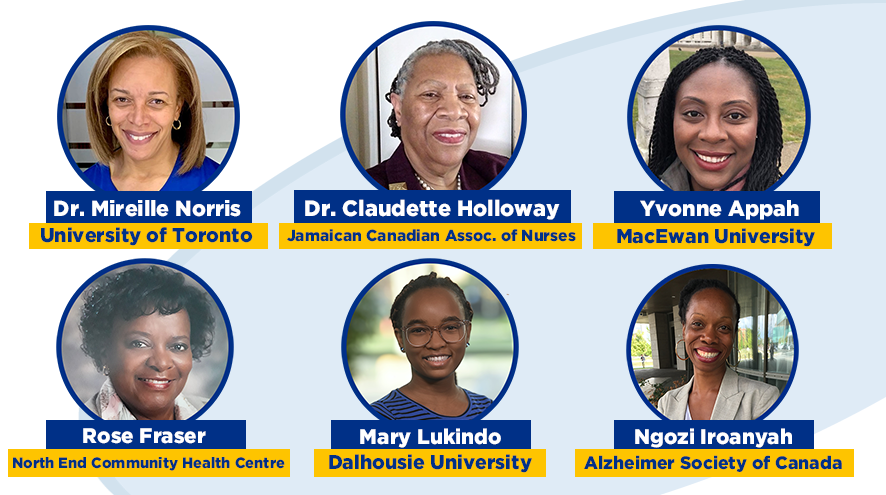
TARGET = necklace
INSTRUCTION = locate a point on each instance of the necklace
(426, 187)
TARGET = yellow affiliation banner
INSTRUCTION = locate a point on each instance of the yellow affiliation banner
(430, 235)
(156, 463)
(492, 463)
(712, 236)
(704, 463)
(148, 236)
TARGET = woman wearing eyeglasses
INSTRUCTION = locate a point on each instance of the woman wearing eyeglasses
(432, 323)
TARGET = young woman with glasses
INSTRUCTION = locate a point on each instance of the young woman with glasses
(432, 323)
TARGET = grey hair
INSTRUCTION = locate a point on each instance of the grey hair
(485, 72)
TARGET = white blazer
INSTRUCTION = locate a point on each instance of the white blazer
(738, 398)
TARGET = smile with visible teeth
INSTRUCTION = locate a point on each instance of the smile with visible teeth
(447, 135)
(712, 159)
(151, 380)
(707, 355)
(437, 359)
(139, 138)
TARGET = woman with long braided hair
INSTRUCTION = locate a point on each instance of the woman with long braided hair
(717, 125)
(432, 323)
(437, 95)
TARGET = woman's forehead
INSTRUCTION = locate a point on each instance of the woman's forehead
(432, 300)
(719, 76)
(711, 296)
(441, 67)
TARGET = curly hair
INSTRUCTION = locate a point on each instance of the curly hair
(428, 281)
(486, 75)
(765, 162)
(700, 284)
(137, 292)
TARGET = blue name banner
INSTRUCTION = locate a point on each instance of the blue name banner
(206, 434)
(430, 207)
(441, 434)
(717, 207)
(657, 434)
(149, 207)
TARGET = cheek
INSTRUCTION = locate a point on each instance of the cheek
(747, 138)
(122, 360)
(474, 117)
(184, 364)
(417, 116)
(682, 133)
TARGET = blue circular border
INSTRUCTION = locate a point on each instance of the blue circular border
(422, 261)
(344, 98)
(719, 267)
(684, 34)
(151, 261)
(218, 62)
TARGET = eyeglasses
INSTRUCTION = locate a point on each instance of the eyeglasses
(451, 332)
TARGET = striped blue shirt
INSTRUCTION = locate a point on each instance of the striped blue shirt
(397, 406)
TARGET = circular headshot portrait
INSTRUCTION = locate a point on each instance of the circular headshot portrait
(144, 339)
(429, 339)
(712, 342)
(433, 106)
(148, 108)
(718, 109)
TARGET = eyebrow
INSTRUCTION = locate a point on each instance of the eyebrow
(145, 334)
(730, 102)
(471, 84)
(703, 315)
(423, 322)
(149, 92)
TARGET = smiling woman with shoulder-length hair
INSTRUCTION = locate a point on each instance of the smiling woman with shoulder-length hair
(432, 324)
(717, 125)
(436, 97)
(145, 117)
(144, 328)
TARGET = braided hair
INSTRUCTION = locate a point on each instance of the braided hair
(699, 284)
(765, 162)
(428, 282)
(485, 72)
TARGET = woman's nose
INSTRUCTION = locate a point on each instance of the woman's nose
(452, 107)
(159, 360)
(712, 131)
(139, 114)
(436, 341)
(709, 335)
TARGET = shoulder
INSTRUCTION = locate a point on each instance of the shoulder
(675, 177)
(480, 167)
(92, 404)
(189, 406)
(205, 171)
(388, 405)
(746, 384)
(395, 170)
(761, 395)
(209, 166)
(669, 404)
(479, 403)
(193, 179)
(100, 175)
(478, 398)
(666, 402)
(379, 173)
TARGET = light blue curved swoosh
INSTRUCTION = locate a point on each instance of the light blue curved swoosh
(548, 134)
